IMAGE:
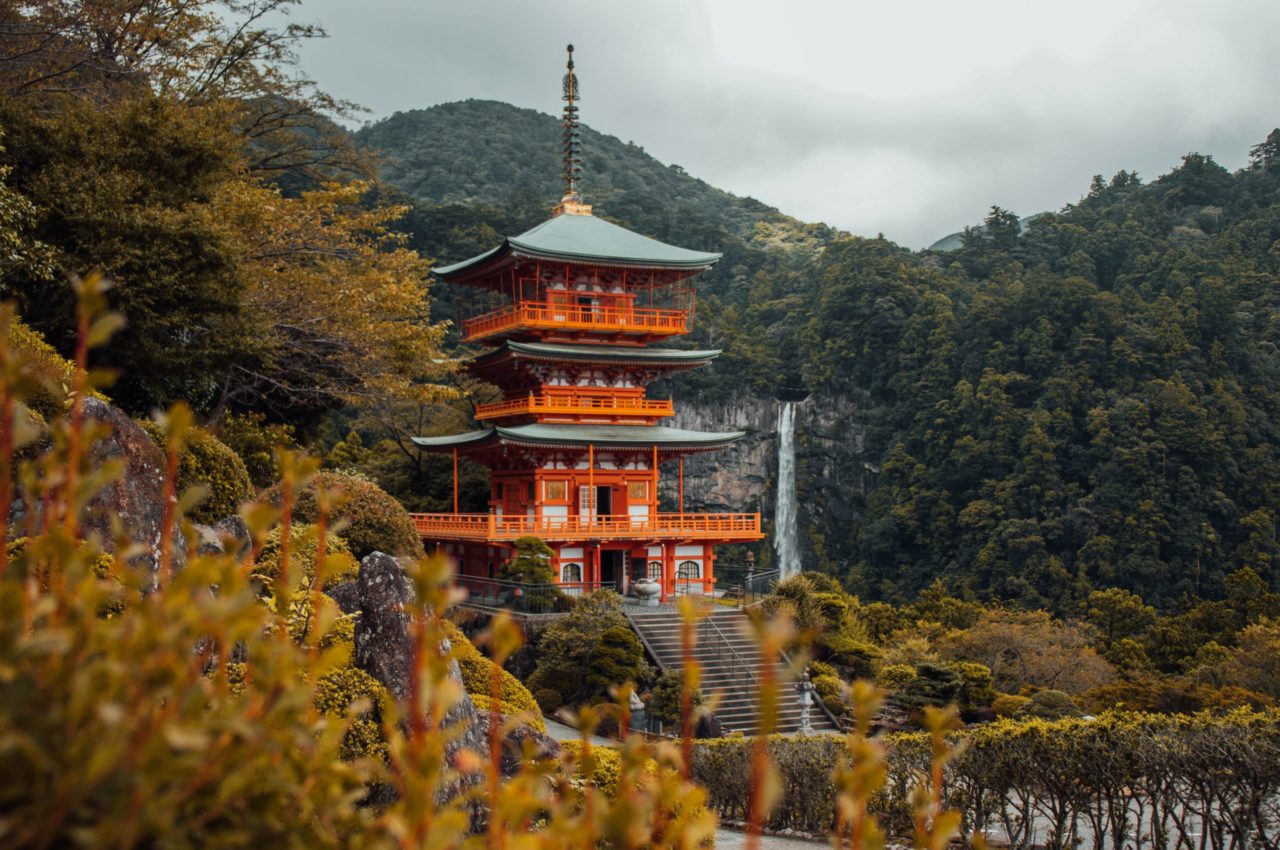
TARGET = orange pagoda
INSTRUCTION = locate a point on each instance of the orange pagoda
(575, 445)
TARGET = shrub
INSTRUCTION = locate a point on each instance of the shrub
(208, 462)
(569, 651)
(895, 676)
(54, 374)
(303, 548)
(530, 564)
(664, 701)
(549, 700)
(976, 690)
(477, 672)
(255, 440)
(337, 691)
(618, 658)
(1052, 773)
(608, 765)
(934, 684)
(374, 520)
(1050, 705)
(1008, 705)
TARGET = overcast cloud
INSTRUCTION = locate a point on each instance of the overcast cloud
(907, 118)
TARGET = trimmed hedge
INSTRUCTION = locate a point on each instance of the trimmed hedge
(374, 520)
(208, 462)
(1218, 774)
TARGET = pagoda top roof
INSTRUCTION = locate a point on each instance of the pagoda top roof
(639, 356)
(583, 238)
(541, 435)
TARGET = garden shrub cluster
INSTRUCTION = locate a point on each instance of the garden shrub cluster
(585, 653)
(340, 565)
(255, 440)
(477, 672)
(208, 462)
(372, 521)
(1186, 774)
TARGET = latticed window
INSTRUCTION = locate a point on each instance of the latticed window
(655, 571)
(571, 572)
(689, 569)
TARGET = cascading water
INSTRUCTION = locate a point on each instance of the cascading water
(785, 543)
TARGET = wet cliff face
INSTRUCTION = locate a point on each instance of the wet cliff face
(832, 473)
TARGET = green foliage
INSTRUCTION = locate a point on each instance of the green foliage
(549, 700)
(577, 659)
(366, 517)
(340, 690)
(618, 658)
(1050, 705)
(256, 440)
(530, 564)
(477, 677)
(664, 700)
(895, 676)
(208, 463)
(1008, 705)
(934, 684)
(303, 549)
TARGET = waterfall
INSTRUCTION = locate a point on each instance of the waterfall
(785, 542)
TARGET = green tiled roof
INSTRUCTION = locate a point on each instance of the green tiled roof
(587, 238)
(601, 353)
(600, 436)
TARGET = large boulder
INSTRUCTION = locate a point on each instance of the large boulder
(136, 497)
(384, 649)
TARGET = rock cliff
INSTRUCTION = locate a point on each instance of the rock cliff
(833, 473)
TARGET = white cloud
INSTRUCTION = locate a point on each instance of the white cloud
(907, 118)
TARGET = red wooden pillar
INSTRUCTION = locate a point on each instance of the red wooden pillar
(681, 461)
(455, 481)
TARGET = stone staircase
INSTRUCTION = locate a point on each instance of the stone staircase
(731, 664)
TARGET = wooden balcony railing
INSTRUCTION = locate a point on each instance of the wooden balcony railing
(603, 407)
(672, 526)
(540, 315)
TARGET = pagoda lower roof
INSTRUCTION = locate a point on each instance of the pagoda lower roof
(583, 239)
(620, 437)
(611, 354)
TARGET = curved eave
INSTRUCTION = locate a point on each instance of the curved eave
(672, 358)
(613, 437)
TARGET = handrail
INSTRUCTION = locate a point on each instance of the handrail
(724, 641)
(556, 403)
(663, 525)
(543, 314)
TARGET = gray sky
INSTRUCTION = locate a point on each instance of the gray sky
(909, 118)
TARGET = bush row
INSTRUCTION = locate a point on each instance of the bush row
(1122, 779)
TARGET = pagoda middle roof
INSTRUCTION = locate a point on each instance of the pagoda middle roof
(586, 239)
(599, 354)
(600, 436)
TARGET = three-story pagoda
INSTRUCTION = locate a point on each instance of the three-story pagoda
(575, 445)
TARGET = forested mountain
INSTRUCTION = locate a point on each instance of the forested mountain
(1087, 399)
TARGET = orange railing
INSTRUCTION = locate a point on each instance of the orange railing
(576, 405)
(678, 526)
(541, 315)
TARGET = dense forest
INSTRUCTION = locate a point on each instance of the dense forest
(1082, 399)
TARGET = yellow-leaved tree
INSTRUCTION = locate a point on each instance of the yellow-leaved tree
(337, 303)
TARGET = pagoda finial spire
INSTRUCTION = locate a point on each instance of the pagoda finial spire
(571, 146)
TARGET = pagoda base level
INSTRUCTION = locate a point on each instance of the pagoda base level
(579, 568)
